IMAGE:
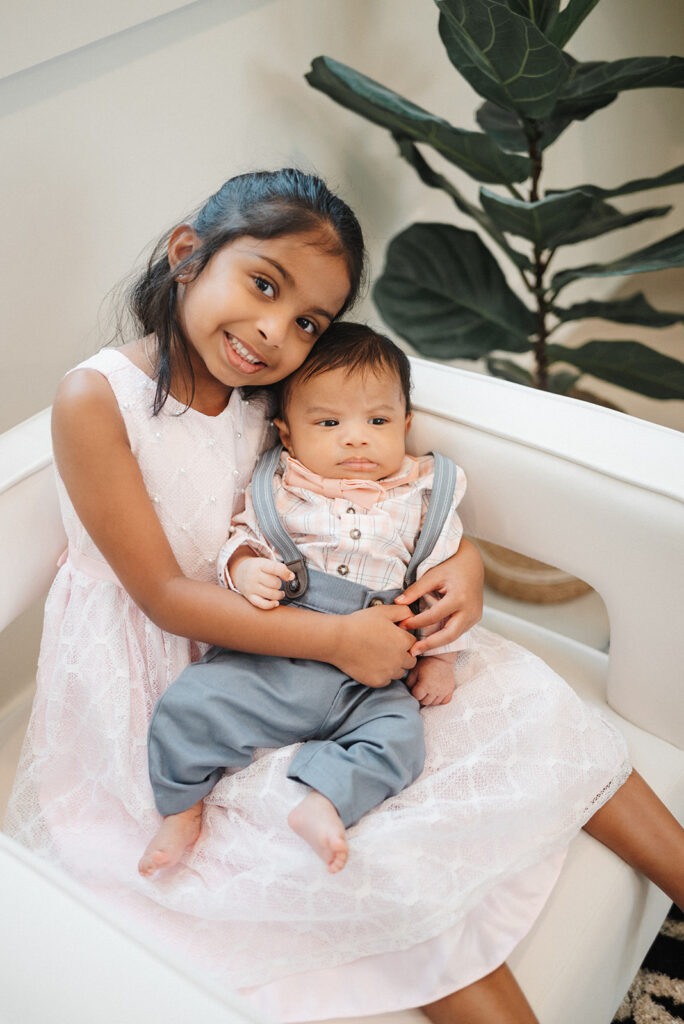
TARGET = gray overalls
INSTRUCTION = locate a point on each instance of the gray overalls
(360, 744)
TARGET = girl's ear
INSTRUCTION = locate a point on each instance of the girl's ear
(284, 431)
(409, 417)
(182, 243)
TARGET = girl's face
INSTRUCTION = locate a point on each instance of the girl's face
(345, 425)
(254, 312)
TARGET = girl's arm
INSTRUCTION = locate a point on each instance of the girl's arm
(105, 484)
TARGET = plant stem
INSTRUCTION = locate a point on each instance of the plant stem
(540, 353)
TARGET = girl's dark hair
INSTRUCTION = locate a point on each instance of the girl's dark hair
(355, 348)
(261, 204)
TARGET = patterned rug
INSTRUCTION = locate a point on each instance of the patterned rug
(657, 992)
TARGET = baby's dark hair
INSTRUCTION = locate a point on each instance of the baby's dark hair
(354, 348)
(261, 204)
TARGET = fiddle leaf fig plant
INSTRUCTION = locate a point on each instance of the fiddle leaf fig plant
(442, 288)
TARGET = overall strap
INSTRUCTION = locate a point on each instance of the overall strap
(437, 511)
(269, 521)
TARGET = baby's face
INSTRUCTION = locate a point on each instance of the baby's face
(343, 425)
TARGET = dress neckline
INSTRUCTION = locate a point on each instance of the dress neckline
(170, 398)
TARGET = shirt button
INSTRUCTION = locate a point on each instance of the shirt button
(354, 534)
(238, 435)
(236, 472)
(375, 601)
(342, 570)
(351, 511)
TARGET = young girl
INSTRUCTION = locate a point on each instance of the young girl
(154, 445)
(352, 504)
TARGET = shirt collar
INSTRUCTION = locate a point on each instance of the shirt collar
(365, 493)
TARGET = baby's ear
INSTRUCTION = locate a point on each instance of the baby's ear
(409, 417)
(284, 431)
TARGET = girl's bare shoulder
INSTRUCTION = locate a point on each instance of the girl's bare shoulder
(85, 413)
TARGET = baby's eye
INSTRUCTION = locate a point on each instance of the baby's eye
(328, 423)
(264, 286)
(307, 325)
(378, 421)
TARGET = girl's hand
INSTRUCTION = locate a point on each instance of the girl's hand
(432, 681)
(258, 579)
(370, 648)
(458, 583)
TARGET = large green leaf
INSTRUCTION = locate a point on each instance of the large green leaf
(636, 309)
(541, 222)
(505, 57)
(505, 127)
(673, 177)
(506, 369)
(444, 292)
(599, 77)
(561, 218)
(628, 364)
(602, 218)
(541, 12)
(668, 252)
(569, 20)
(473, 152)
(509, 130)
(561, 382)
(433, 179)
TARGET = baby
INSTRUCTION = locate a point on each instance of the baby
(338, 519)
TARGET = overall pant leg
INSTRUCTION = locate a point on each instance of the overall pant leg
(220, 709)
(374, 747)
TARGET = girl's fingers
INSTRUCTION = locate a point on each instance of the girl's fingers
(452, 629)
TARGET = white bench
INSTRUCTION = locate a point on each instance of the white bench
(589, 490)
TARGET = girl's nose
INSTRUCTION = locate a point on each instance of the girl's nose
(273, 330)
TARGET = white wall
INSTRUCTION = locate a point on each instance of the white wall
(112, 127)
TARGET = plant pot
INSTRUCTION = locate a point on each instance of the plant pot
(526, 579)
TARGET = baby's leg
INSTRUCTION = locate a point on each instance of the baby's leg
(375, 748)
(174, 835)
(316, 820)
(212, 717)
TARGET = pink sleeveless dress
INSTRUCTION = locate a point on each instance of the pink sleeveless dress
(442, 881)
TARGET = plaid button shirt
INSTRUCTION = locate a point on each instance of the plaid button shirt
(367, 543)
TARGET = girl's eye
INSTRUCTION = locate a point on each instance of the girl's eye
(264, 286)
(307, 325)
(378, 421)
(328, 423)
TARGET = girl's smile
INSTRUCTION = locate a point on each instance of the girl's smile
(242, 357)
(253, 313)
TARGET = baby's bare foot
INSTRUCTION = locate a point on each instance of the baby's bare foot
(317, 821)
(176, 833)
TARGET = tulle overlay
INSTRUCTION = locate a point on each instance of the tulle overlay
(516, 763)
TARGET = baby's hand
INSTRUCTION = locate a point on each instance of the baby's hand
(432, 681)
(258, 579)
